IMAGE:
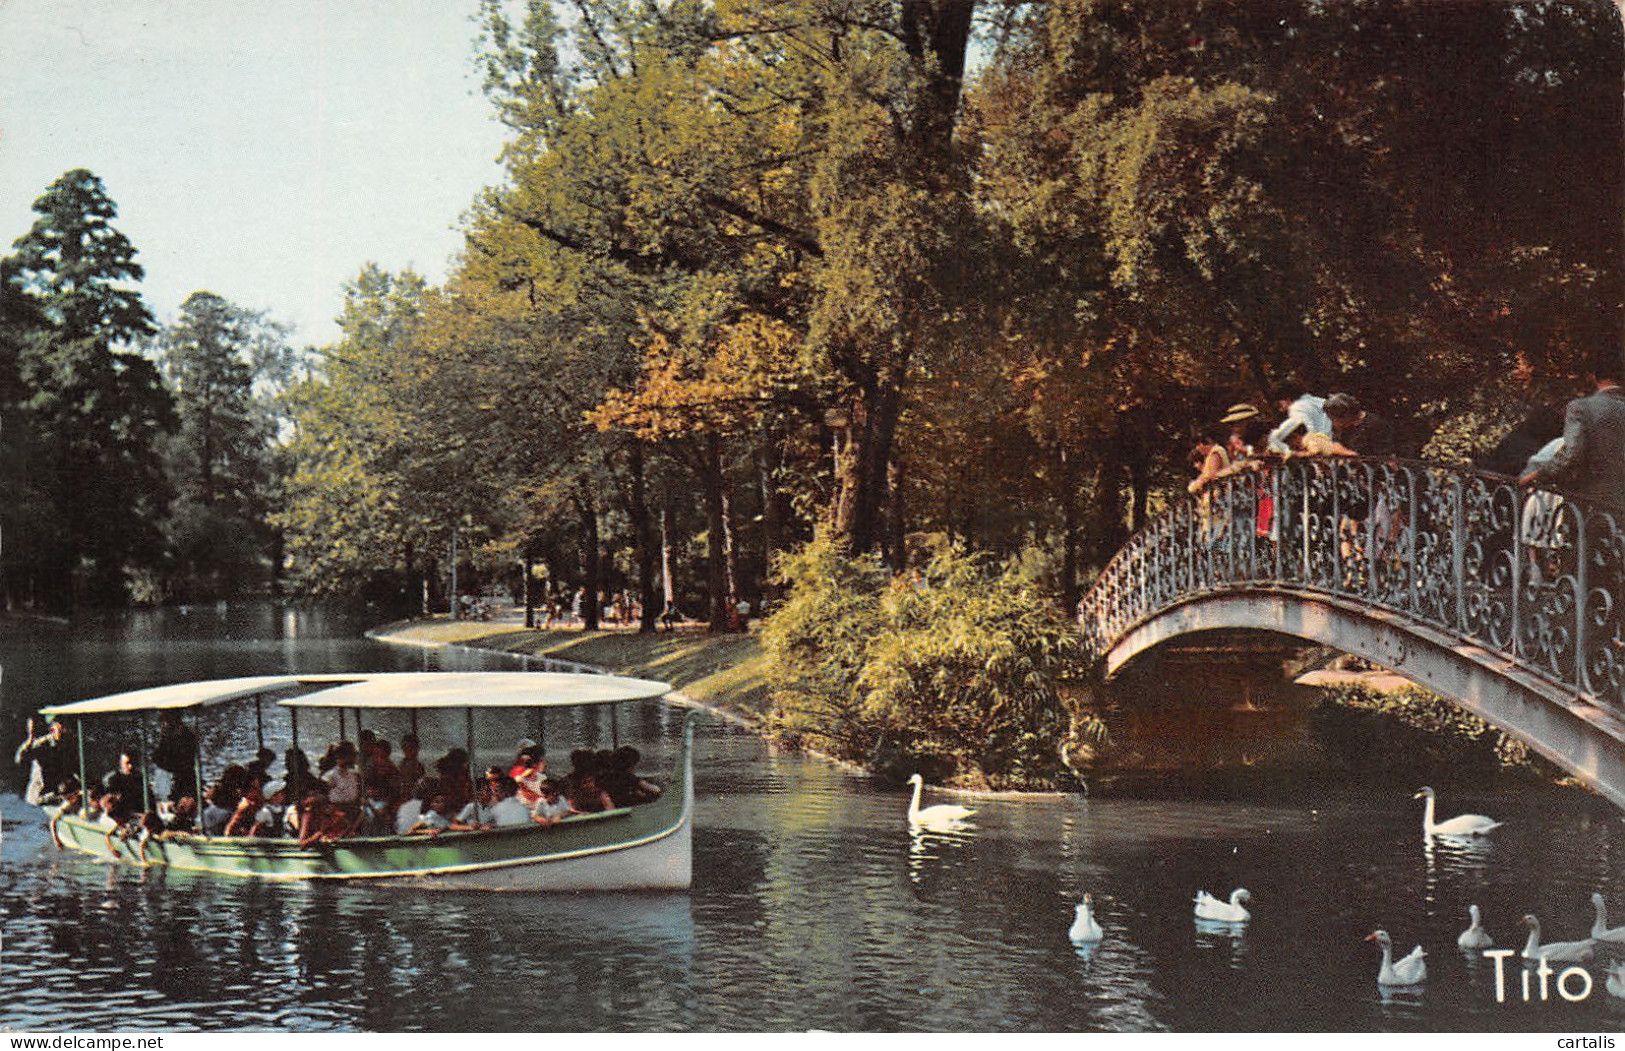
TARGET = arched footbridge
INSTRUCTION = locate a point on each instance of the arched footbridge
(1504, 599)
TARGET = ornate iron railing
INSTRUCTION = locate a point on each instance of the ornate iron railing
(1531, 575)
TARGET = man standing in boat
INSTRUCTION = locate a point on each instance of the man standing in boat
(175, 755)
(49, 759)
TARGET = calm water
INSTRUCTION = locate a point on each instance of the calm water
(813, 907)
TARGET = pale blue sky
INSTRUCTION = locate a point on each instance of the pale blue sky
(260, 150)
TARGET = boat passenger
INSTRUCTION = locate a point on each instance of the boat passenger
(478, 813)
(378, 812)
(298, 773)
(243, 815)
(119, 818)
(585, 795)
(124, 780)
(507, 810)
(621, 781)
(343, 783)
(176, 754)
(551, 806)
(182, 816)
(319, 820)
(528, 772)
(452, 772)
(436, 817)
(411, 767)
(259, 767)
(379, 765)
(215, 812)
(270, 820)
(406, 818)
(47, 757)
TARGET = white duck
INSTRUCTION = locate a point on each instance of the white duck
(1460, 825)
(1600, 931)
(1554, 951)
(940, 816)
(1411, 970)
(1084, 928)
(1616, 980)
(1210, 908)
(1475, 936)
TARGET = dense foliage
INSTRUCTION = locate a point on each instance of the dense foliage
(954, 669)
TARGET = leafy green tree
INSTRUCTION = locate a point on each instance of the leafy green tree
(226, 367)
(96, 411)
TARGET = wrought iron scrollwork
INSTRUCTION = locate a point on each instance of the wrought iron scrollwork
(1532, 575)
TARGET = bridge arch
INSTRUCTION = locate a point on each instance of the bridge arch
(1444, 576)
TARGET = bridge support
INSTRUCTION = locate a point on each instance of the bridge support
(1580, 737)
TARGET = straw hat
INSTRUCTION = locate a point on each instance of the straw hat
(1239, 412)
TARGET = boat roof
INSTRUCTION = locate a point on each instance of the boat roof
(386, 690)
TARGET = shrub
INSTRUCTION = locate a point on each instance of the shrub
(954, 668)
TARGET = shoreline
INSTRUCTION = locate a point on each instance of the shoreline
(442, 633)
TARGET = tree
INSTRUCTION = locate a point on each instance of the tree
(226, 367)
(95, 410)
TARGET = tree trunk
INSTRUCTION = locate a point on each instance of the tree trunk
(668, 588)
(716, 522)
(896, 520)
(861, 469)
(643, 543)
(526, 561)
(1069, 535)
(591, 602)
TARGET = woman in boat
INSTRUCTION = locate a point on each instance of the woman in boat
(411, 767)
(529, 771)
(406, 818)
(621, 781)
(451, 770)
(241, 822)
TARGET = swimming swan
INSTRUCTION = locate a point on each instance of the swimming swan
(1600, 930)
(1461, 825)
(1210, 908)
(1554, 951)
(942, 814)
(1409, 971)
(1475, 936)
(1084, 928)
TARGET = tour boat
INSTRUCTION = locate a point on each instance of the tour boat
(644, 847)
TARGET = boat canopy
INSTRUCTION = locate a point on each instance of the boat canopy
(386, 690)
(479, 689)
(180, 695)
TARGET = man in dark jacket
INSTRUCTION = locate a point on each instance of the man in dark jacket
(1591, 463)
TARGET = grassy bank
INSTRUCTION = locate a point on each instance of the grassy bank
(723, 671)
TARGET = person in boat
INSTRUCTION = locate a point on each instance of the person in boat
(529, 772)
(451, 770)
(411, 768)
(438, 817)
(506, 809)
(343, 782)
(320, 820)
(69, 794)
(298, 773)
(621, 781)
(406, 818)
(380, 765)
(271, 819)
(378, 811)
(216, 812)
(119, 818)
(124, 780)
(175, 755)
(477, 814)
(581, 788)
(182, 815)
(244, 814)
(48, 759)
(551, 806)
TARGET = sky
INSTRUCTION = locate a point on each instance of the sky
(263, 151)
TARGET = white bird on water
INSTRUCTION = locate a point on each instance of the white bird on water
(1562, 952)
(1409, 971)
(1475, 936)
(1210, 908)
(943, 815)
(1599, 927)
(1084, 928)
(1460, 825)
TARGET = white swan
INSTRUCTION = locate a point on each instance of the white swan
(1409, 971)
(1554, 951)
(1084, 927)
(1616, 980)
(1475, 936)
(939, 816)
(1210, 908)
(1600, 931)
(1460, 825)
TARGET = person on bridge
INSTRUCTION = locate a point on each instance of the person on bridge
(1307, 411)
(1367, 433)
(1591, 462)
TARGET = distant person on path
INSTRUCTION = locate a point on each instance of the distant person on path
(1591, 462)
(48, 757)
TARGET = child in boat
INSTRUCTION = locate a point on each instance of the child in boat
(507, 810)
(378, 812)
(271, 818)
(551, 807)
(215, 812)
(406, 818)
